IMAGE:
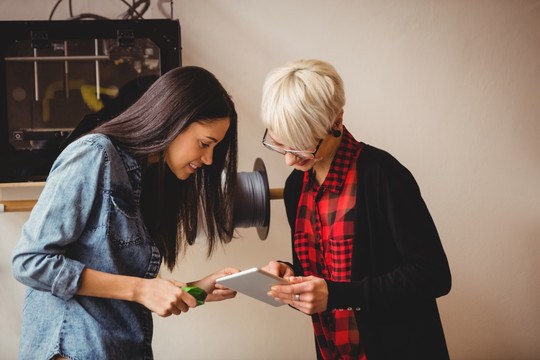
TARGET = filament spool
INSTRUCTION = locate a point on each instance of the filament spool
(252, 207)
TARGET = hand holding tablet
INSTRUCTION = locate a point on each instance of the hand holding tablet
(255, 283)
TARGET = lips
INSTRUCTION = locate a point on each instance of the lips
(193, 168)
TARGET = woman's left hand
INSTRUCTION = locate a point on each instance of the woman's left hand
(215, 291)
(308, 294)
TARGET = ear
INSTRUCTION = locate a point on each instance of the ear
(339, 121)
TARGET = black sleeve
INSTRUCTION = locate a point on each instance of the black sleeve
(291, 197)
(405, 264)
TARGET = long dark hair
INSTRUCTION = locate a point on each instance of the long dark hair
(170, 207)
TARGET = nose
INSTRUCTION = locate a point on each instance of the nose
(291, 159)
(207, 156)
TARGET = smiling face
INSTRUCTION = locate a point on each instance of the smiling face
(194, 147)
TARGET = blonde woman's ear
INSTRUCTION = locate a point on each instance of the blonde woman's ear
(336, 131)
(339, 119)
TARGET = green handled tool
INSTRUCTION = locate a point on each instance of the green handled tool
(197, 293)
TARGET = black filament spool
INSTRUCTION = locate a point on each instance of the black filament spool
(252, 207)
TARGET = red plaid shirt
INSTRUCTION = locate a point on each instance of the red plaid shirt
(324, 241)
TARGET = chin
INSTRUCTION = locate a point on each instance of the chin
(182, 176)
(304, 167)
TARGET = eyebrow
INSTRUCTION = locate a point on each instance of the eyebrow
(211, 138)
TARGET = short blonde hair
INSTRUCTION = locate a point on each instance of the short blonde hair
(301, 101)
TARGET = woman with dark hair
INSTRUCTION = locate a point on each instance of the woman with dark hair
(117, 201)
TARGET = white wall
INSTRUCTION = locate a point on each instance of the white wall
(451, 88)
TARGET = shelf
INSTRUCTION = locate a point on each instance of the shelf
(23, 184)
(17, 205)
(27, 205)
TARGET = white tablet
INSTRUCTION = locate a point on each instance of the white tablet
(254, 283)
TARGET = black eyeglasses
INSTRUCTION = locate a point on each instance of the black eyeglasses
(304, 154)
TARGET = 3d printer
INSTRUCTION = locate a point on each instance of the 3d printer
(60, 78)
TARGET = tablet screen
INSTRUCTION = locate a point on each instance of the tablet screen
(255, 283)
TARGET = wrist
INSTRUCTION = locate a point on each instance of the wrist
(135, 289)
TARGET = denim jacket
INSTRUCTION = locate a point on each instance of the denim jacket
(87, 216)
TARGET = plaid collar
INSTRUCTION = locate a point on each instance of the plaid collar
(347, 152)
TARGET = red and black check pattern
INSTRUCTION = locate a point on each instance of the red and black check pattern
(324, 241)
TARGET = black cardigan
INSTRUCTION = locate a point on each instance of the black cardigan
(399, 266)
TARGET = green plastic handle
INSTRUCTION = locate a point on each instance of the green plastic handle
(197, 293)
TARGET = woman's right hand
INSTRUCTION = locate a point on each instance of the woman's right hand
(279, 269)
(164, 297)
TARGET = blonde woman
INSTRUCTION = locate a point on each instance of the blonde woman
(368, 263)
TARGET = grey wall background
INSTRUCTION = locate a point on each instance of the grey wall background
(451, 88)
